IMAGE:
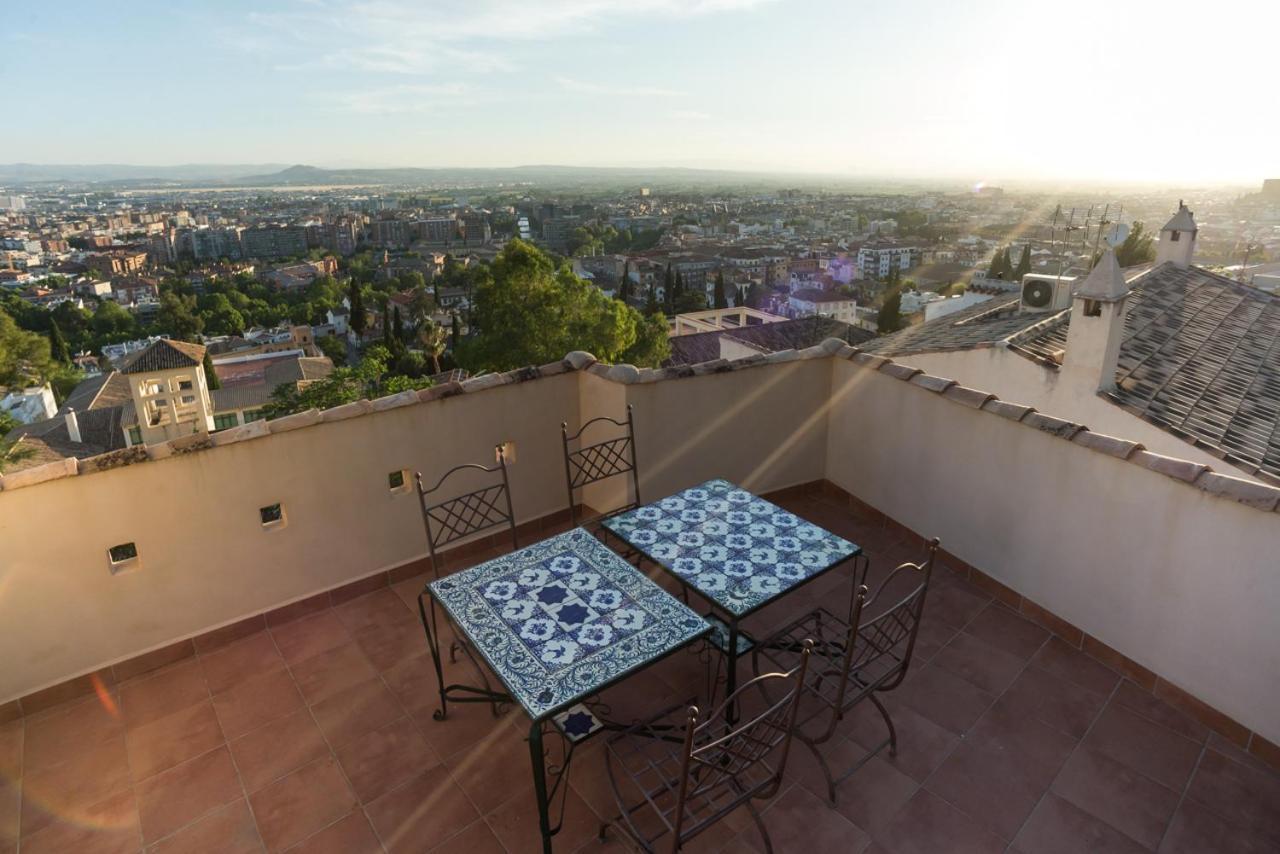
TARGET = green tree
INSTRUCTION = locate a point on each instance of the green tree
(455, 331)
(994, 269)
(58, 345)
(210, 375)
(111, 321)
(721, 301)
(668, 289)
(1024, 264)
(528, 312)
(1006, 264)
(1138, 247)
(359, 322)
(178, 317)
(890, 317)
(333, 347)
(397, 331)
(433, 338)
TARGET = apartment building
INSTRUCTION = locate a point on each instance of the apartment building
(877, 259)
(274, 241)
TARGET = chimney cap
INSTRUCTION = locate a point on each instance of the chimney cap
(1183, 220)
(1105, 282)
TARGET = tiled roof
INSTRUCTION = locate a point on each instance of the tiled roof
(165, 355)
(1200, 357)
(765, 337)
(245, 389)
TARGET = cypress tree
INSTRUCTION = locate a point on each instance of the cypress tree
(651, 304)
(386, 327)
(455, 331)
(993, 271)
(358, 319)
(397, 330)
(668, 289)
(210, 376)
(1024, 264)
(1006, 264)
(719, 296)
(58, 345)
(624, 287)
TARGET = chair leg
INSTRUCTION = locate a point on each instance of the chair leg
(433, 644)
(884, 713)
(822, 763)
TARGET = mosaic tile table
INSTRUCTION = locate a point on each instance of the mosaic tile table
(559, 621)
(732, 548)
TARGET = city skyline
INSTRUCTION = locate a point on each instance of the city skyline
(920, 91)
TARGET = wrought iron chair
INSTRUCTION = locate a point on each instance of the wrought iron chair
(856, 659)
(684, 773)
(600, 461)
(447, 522)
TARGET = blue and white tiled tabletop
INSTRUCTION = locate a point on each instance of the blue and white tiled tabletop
(736, 549)
(561, 619)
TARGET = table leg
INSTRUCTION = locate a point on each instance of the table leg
(731, 677)
(538, 757)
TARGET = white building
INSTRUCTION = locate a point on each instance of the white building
(807, 302)
(876, 260)
(949, 305)
(30, 404)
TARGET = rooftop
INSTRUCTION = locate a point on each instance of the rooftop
(1198, 356)
(165, 355)
(235, 684)
(312, 726)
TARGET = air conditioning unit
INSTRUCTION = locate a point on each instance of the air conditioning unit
(1045, 293)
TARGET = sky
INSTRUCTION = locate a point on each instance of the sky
(1073, 90)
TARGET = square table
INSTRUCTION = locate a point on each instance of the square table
(736, 550)
(559, 621)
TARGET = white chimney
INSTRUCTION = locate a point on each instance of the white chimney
(1178, 239)
(1097, 325)
(73, 425)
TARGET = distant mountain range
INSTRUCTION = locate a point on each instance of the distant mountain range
(276, 175)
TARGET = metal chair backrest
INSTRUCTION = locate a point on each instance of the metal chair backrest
(470, 513)
(601, 460)
(716, 760)
(881, 635)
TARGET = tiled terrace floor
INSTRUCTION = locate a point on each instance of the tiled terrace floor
(316, 735)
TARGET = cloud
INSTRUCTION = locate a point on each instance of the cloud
(690, 115)
(403, 37)
(586, 88)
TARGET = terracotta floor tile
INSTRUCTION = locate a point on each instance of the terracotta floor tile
(874, 794)
(310, 636)
(380, 760)
(490, 770)
(229, 830)
(1133, 804)
(427, 810)
(1059, 827)
(932, 637)
(57, 735)
(165, 742)
(476, 838)
(70, 788)
(922, 744)
(373, 609)
(413, 681)
(332, 671)
(1233, 751)
(1136, 699)
(301, 804)
(108, 827)
(356, 711)
(409, 589)
(799, 820)
(230, 665)
(1066, 662)
(162, 693)
(174, 798)
(10, 809)
(928, 825)
(388, 643)
(350, 835)
(995, 786)
(13, 736)
(1145, 746)
(944, 698)
(1247, 797)
(1054, 701)
(272, 751)
(257, 701)
(979, 663)
(954, 603)
(515, 823)
(1005, 630)
(1042, 748)
(1198, 830)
